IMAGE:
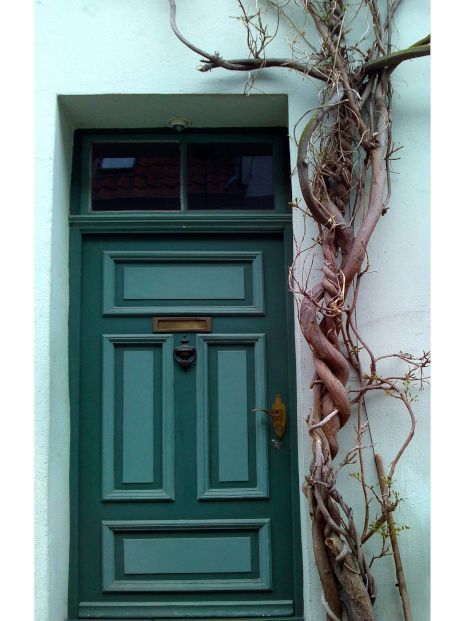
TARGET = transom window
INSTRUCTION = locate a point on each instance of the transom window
(187, 172)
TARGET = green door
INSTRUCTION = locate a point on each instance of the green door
(184, 502)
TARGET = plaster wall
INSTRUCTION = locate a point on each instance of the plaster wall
(117, 64)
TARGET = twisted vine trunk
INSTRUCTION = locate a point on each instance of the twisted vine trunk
(339, 557)
(348, 586)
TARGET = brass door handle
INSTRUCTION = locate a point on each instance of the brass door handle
(278, 414)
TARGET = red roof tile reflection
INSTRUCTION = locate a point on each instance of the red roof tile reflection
(151, 177)
(158, 176)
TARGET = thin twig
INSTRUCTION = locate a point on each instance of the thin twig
(394, 541)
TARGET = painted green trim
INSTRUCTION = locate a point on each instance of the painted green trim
(205, 489)
(258, 281)
(184, 222)
(241, 610)
(111, 584)
(109, 490)
(109, 282)
(74, 375)
(292, 423)
(112, 258)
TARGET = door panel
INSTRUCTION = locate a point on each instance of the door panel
(231, 440)
(137, 418)
(202, 555)
(141, 282)
(185, 504)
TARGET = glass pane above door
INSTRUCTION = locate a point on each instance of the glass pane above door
(147, 175)
(230, 176)
(134, 176)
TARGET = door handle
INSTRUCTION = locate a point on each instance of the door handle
(278, 414)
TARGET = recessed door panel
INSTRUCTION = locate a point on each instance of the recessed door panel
(183, 555)
(152, 282)
(232, 434)
(137, 417)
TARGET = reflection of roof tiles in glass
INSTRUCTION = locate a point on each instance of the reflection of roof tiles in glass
(152, 177)
(159, 176)
(213, 180)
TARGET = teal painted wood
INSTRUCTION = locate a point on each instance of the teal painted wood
(113, 530)
(272, 609)
(232, 416)
(109, 283)
(75, 407)
(138, 416)
(185, 555)
(206, 489)
(222, 271)
(110, 488)
(186, 282)
(295, 481)
(258, 281)
(183, 222)
(112, 233)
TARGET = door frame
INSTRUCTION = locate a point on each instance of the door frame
(184, 222)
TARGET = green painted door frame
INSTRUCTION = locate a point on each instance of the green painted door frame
(181, 503)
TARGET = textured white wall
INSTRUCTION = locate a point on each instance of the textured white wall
(119, 57)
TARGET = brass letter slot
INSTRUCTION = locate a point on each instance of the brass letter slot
(182, 324)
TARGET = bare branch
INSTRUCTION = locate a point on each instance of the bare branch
(211, 61)
(391, 61)
(394, 541)
(251, 64)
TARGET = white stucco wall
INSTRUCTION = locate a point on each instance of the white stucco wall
(111, 62)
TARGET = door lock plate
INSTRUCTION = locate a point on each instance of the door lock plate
(278, 413)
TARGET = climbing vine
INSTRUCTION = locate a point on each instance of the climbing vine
(343, 166)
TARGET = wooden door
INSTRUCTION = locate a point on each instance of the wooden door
(186, 502)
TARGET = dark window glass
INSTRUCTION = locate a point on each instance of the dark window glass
(135, 176)
(230, 176)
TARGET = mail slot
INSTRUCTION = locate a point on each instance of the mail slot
(182, 324)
